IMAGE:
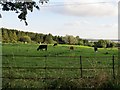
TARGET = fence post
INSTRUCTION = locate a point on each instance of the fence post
(81, 67)
(113, 58)
(45, 69)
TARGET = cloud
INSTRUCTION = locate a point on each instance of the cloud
(84, 8)
(109, 26)
(87, 29)
(87, 25)
(78, 23)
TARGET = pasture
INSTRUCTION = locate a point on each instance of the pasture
(25, 67)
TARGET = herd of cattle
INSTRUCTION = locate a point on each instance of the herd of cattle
(44, 47)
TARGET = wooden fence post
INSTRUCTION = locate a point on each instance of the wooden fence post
(81, 67)
(113, 58)
(45, 69)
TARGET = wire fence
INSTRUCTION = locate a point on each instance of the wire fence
(31, 71)
(58, 67)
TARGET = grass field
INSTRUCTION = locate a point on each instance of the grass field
(29, 68)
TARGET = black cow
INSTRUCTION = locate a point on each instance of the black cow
(71, 48)
(55, 44)
(41, 47)
(95, 49)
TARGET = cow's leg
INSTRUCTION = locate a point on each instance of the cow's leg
(37, 49)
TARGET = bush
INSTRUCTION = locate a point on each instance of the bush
(25, 39)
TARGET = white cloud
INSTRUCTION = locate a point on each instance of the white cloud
(87, 25)
(79, 8)
(76, 23)
(86, 29)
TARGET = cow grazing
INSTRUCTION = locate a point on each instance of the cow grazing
(95, 49)
(107, 53)
(71, 48)
(41, 47)
(55, 44)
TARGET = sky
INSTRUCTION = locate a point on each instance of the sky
(88, 19)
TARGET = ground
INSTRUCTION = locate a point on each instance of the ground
(23, 63)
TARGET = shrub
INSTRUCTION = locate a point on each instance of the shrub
(25, 39)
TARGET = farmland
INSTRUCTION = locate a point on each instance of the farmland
(25, 67)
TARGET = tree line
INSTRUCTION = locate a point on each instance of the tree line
(16, 36)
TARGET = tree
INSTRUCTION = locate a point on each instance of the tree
(0, 35)
(31, 35)
(5, 37)
(10, 34)
(18, 33)
(107, 43)
(25, 39)
(60, 40)
(20, 6)
(39, 38)
(112, 44)
(55, 38)
(101, 43)
(14, 39)
(69, 39)
(49, 39)
(91, 44)
(80, 41)
(85, 42)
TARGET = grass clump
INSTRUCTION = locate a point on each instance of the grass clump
(101, 82)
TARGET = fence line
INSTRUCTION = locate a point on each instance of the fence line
(80, 68)
(55, 56)
(56, 68)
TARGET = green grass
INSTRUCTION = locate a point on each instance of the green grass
(27, 65)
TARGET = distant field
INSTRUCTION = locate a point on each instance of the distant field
(28, 67)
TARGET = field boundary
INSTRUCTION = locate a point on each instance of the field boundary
(80, 68)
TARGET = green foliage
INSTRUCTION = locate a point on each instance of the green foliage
(5, 36)
(21, 7)
(37, 38)
(80, 42)
(101, 44)
(85, 42)
(69, 39)
(25, 39)
(105, 44)
(49, 39)
(14, 36)
(11, 36)
(0, 35)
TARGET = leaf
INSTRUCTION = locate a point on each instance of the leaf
(0, 16)
(22, 16)
(16, 11)
(37, 7)
(5, 7)
(26, 23)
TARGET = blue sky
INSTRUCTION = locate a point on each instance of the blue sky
(86, 19)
